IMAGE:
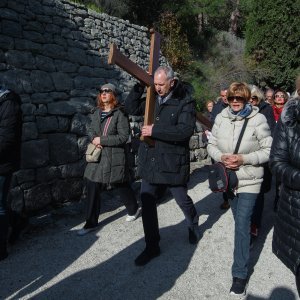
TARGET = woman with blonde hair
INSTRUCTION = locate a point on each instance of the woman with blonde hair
(248, 163)
(109, 130)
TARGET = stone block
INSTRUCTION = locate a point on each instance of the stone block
(61, 108)
(45, 63)
(37, 197)
(194, 142)
(6, 42)
(25, 176)
(79, 124)
(41, 81)
(73, 170)
(47, 124)
(63, 148)
(47, 174)
(66, 190)
(34, 154)
(62, 81)
(11, 28)
(29, 131)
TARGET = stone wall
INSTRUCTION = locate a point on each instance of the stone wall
(54, 54)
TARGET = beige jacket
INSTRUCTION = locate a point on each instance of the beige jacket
(255, 146)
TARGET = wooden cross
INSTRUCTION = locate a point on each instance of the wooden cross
(116, 57)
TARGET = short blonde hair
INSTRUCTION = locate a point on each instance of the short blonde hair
(239, 89)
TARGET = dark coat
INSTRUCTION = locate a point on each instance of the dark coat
(217, 108)
(112, 167)
(266, 109)
(168, 161)
(285, 164)
(10, 132)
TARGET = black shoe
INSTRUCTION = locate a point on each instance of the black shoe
(194, 235)
(238, 286)
(146, 256)
(225, 205)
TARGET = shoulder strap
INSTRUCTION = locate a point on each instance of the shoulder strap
(106, 125)
(240, 137)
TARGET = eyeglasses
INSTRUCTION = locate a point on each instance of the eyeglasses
(237, 98)
(254, 98)
(107, 91)
(279, 96)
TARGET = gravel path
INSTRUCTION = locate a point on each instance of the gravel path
(51, 262)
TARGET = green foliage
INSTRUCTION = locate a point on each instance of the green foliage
(174, 44)
(273, 42)
(222, 64)
(89, 4)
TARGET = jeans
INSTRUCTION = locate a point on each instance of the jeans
(4, 189)
(242, 207)
(149, 210)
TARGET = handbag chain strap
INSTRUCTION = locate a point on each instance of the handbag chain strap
(240, 137)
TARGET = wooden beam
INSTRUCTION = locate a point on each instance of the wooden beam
(202, 119)
(116, 57)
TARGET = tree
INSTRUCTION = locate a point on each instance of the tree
(273, 42)
(174, 46)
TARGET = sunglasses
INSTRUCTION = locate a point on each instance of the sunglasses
(254, 98)
(237, 98)
(107, 91)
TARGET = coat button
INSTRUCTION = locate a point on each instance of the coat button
(152, 159)
(157, 118)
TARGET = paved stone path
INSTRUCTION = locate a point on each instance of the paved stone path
(51, 262)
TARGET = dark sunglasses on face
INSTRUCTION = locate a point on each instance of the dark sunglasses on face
(237, 98)
(107, 91)
(254, 98)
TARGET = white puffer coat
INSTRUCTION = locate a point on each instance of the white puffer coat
(255, 146)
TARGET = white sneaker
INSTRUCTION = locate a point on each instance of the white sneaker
(134, 217)
(84, 231)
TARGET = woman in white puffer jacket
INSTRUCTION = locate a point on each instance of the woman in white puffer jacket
(253, 152)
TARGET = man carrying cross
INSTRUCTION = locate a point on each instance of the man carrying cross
(165, 163)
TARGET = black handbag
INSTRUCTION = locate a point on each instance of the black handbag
(220, 178)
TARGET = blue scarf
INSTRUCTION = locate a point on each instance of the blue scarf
(243, 113)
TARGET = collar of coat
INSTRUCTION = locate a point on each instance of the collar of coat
(181, 92)
(290, 115)
(227, 114)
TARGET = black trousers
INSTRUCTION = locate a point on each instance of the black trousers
(93, 208)
(149, 210)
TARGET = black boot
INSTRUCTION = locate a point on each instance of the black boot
(194, 234)
(147, 255)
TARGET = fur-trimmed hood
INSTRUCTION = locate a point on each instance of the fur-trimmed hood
(290, 115)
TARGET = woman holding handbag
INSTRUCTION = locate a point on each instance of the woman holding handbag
(253, 152)
(109, 130)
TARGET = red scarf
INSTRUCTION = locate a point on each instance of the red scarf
(277, 112)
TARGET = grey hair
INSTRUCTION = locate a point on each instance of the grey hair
(256, 91)
(167, 70)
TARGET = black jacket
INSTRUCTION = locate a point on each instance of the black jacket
(217, 108)
(285, 164)
(168, 162)
(266, 109)
(10, 131)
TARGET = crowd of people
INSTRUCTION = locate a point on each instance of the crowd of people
(270, 146)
